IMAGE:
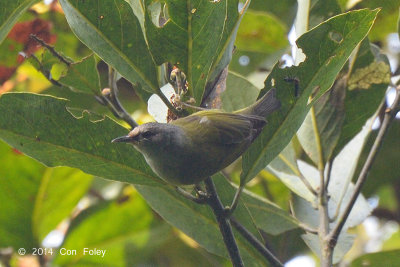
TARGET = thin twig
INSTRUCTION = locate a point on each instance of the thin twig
(51, 49)
(45, 72)
(224, 225)
(229, 210)
(111, 101)
(323, 231)
(390, 113)
(113, 98)
(185, 194)
(301, 225)
(256, 243)
(298, 174)
(307, 184)
(329, 172)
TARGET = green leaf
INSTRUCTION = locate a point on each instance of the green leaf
(198, 221)
(124, 229)
(239, 93)
(197, 37)
(284, 167)
(41, 127)
(320, 10)
(37, 198)
(344, 243)
(320, 132)
(267, 215)
(19, 183)
(59, 192)
(365, 90)
(113, 32)
(385, 164)
(82, 76)
(325, 57)
(260, 42)
(261, 32)
(284, 10)
(387, 19)
(10, 11)
(386, 258)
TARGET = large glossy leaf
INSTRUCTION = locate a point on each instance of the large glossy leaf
(35, 199)
(41, 127)
(197, 37)
(125, 229)
(327, 48)
(113, 32)
(198, 221)
(10, 11)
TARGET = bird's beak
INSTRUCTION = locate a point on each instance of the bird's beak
(122, 139)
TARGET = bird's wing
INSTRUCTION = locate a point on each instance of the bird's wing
(219, 127)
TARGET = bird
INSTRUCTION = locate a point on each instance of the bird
(187, 150)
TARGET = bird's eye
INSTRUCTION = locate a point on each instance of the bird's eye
(147, 134)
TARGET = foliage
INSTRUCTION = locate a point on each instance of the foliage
(85, 76)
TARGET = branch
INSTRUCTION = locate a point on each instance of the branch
(256, 243)
(51, 49)
(112, 98)
(390, 113)
(224, 225)
(109, 99)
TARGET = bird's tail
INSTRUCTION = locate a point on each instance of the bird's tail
(267, 104)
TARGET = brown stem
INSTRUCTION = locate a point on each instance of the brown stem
(390, 113)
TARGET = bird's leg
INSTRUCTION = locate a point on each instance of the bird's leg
(199, 200)
(201, 193)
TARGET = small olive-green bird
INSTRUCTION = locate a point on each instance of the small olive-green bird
(190, 149)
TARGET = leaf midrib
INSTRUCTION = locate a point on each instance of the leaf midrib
(59, 147)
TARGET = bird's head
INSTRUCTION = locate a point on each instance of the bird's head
(150, 136)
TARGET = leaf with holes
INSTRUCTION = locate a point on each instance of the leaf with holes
(327, 48)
